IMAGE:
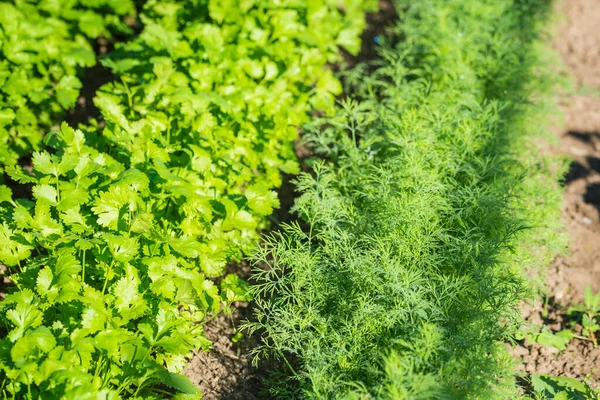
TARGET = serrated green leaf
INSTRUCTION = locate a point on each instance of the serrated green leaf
(66, 263)
(126, 293)
(122, 248)
(12, 252)
(108, 206)
(5, 194)
(93, 319)
(261, 200)
(188, 247)
(44, 281)
(23, 317)
(42, 162)
(17, 174)
(45, 192)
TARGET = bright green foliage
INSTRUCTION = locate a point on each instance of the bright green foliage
(44, 46)
(546, 387)
(113, 255)
(113, 296)
(227, 86)
(209, 102)
(406, 282)
(590, 314)
(587, 314)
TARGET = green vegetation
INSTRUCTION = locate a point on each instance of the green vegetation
(431, 202)
(44, 48)
(586, 314)
(547, 387)
(111, 256)
(427, 211)
(589, 312)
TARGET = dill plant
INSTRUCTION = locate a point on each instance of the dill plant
(402, 277)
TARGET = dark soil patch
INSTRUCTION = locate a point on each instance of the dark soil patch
(576, 171)
(97, 76)
(85, 109)
(578, 42)
(225, 372)
(378, 24)
(592, 195)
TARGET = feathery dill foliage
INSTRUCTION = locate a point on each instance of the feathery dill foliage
(406, 281)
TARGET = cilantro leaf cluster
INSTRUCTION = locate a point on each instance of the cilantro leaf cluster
(44, 48)
(117, 258)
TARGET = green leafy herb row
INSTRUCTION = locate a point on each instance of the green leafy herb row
(111, 257)
(44, 46)
(432, 203)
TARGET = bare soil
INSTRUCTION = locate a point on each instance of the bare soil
(226, 372)
(578, 42)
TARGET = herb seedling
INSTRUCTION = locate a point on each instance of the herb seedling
(590, 314)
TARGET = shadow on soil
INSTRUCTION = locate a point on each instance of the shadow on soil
(584, 169)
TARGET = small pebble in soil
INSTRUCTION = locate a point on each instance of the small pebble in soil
(578, 151)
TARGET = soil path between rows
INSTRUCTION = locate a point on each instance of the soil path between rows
(577, 40)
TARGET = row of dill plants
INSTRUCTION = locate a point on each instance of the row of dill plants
(426, 210)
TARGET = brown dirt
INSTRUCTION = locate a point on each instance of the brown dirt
(578, 42)
(226, 372)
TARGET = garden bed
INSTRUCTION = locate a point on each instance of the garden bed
(458, 244)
